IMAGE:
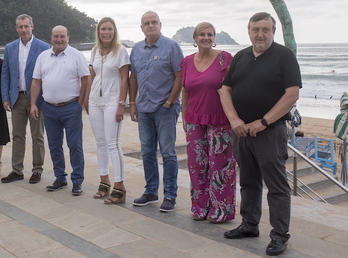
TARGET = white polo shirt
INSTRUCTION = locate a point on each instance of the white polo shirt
(61, 74)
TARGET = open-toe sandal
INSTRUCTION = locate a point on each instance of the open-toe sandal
(103, 190)
(116, 193)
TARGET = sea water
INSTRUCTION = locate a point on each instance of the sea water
(324, 70)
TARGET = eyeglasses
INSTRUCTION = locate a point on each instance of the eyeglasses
(23, 26)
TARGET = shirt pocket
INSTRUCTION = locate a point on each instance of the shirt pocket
(138, 63)
(159, 62)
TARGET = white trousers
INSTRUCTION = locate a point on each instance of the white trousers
(107, 135)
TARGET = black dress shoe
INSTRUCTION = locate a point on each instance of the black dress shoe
(276, 247)
(77, 189)
(240, 233)
(35, 178)
(13, 176)
(56, 185)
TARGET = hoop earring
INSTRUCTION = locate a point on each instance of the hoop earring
(194, 44)
(214, 44)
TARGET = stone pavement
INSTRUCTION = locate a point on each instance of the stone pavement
(37, 223)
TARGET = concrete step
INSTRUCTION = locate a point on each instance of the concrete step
(303, 167)
(316, 181)
(182, 160)
(180, 149)
(180, 152)
(333, 194)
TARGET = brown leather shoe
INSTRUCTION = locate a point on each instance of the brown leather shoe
(13, 176)
(35, 178)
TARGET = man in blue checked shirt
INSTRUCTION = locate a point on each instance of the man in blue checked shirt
(155, 81)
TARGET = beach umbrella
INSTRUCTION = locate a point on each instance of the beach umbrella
(341, 131)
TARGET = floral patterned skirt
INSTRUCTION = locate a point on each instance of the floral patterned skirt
(212, 168)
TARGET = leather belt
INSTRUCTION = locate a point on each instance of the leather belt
(63, 103)
(23, 91)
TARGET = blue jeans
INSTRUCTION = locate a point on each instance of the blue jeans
(159, 127)
(58, 119)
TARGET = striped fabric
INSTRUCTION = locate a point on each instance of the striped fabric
(296, 119)
(341, 121)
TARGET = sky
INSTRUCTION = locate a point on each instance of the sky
(314, 21)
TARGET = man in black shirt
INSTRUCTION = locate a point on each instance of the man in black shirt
(258, 92)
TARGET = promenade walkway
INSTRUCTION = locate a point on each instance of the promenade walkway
(37, 223)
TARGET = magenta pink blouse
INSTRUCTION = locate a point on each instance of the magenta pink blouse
(203, 103)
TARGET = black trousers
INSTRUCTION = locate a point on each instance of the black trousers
(263, 158)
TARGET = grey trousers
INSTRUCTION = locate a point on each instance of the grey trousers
(20, 115)
(262, 158)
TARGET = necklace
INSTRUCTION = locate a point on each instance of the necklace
(103, 60)
(104, 57)
(101, 78)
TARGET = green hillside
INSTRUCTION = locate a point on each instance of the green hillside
(46, 14)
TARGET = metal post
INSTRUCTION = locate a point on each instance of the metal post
(293, 135)
(344, 163)
(295, 175)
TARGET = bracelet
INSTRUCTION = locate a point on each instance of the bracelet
(131, 103)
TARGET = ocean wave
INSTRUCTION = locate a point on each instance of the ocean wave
(326, 77)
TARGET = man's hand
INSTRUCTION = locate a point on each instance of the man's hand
(133, 113)
(34, 112)
(6, 105)
(239, 127)
(255, 127)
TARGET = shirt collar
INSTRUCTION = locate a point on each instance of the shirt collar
(28, 45)
(156, 44)
(268, 50)
(64, 52)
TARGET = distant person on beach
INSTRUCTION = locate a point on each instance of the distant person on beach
(4, 133)
(155, 76)
(62, 72)
(211, 161)
(106, 100)
(17, 71)
(258, 92)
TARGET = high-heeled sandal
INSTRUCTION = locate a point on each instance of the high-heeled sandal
(103, 190)
(197, 218)
(211, 220)
(116, 193)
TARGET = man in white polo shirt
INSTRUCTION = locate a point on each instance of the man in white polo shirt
(62, 72)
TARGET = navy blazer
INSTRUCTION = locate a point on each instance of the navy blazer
(10, 70)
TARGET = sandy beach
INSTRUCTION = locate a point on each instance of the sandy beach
(322, 128)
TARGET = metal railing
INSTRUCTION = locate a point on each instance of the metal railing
(295, 178)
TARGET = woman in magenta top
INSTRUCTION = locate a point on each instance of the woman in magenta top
(211, 161)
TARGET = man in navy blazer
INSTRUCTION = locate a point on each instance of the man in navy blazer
(17, 71)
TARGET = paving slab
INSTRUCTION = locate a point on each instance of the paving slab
(37, 223)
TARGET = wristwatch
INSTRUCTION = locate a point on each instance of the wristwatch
(264, 122)
(169, 103)
(123, 103)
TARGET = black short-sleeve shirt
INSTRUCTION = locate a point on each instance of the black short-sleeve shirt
(259, 82)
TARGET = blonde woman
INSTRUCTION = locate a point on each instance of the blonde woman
(106, 100)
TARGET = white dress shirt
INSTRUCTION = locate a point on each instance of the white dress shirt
(22, 59)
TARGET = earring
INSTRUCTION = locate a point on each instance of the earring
(214, 44)
(194, 44)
